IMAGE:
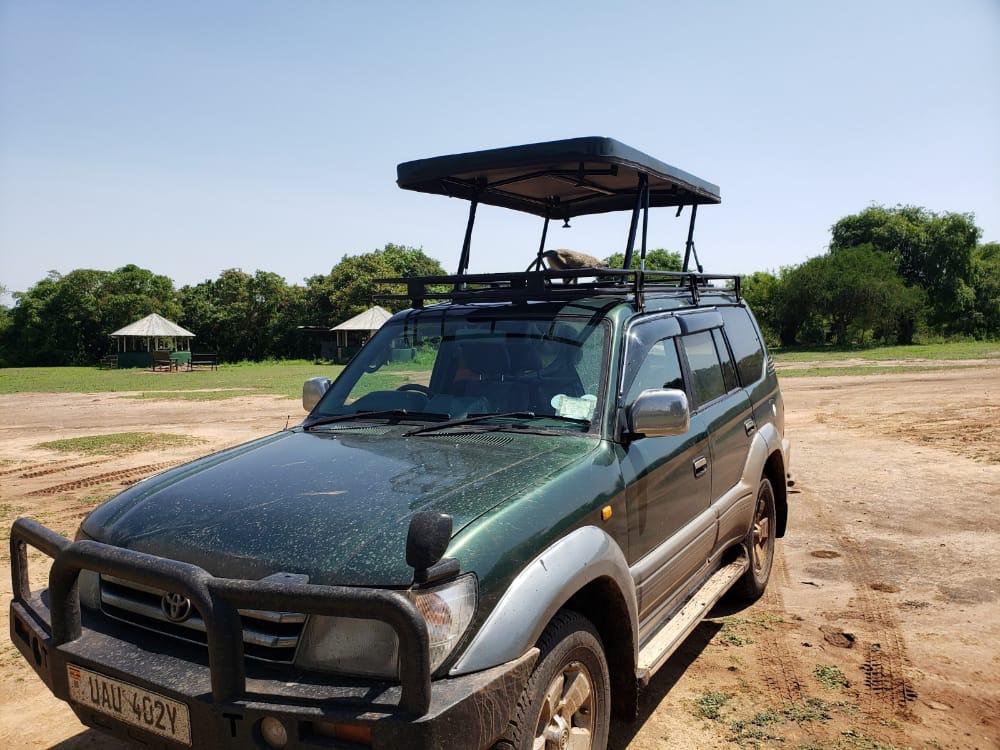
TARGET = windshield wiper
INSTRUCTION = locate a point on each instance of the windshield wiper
(371, 415)
(483, 417)
(470, 420)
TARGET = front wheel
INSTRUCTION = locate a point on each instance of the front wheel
(566, 704)
(760, 544)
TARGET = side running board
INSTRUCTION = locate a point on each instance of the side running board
(672, 633)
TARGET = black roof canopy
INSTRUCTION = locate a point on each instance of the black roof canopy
(557, 179)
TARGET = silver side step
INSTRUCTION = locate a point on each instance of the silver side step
(672, 633)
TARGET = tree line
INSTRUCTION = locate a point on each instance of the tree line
(890, 275)
(65, 319)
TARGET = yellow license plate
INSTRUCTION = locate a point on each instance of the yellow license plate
(129, 703)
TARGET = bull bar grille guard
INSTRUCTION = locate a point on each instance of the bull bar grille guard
(218, 601)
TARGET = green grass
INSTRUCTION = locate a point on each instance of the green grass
(857, 741)
(830, 677)
(947, 350)
(752, 732)
(710, 703)
(829, 372)
(808, 710)
(213, 395)
(242, 379)
(119, 443)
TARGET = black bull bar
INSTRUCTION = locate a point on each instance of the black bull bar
(218, 601)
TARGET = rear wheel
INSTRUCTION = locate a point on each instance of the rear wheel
(760, 544)
(566, 704)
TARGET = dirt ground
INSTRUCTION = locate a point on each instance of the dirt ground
(880, 628)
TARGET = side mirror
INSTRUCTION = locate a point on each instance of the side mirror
(658, 412)
(312, 391)
(426, 542)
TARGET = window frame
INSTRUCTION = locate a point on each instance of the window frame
(693, 397)
(685, 378)
(696, 405)
(729, 353)
(631, 340)
(601, 417)
(755, 329)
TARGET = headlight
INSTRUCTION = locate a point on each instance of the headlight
(369, 648)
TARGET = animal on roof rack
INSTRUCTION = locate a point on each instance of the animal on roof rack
(563, 259)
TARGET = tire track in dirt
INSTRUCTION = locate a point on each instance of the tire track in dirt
(779, 665)
(47, 469)
(32, 467)
(124, 476)
(888, 688)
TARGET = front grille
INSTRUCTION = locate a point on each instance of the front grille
(269, 636)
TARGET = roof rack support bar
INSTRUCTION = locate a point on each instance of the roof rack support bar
(541, 244)
(643, 183)
(463, 261)
(640, 275)
(689, 245)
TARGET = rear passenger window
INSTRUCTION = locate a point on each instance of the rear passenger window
(728, 371)
(705, 367)
(747, 348)
(660, 369)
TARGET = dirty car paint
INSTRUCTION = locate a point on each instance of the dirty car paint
(329, 504)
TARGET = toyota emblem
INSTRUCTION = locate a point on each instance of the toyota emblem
(176, 607)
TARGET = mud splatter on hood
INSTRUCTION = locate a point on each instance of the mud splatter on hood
(333, 505)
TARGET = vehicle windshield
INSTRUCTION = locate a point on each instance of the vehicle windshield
(455, 364)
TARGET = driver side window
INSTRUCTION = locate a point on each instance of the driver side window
(660, 369)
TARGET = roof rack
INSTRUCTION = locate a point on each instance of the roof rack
(536, 286)
(561, 180)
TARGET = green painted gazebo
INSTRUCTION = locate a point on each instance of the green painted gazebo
(137, 342)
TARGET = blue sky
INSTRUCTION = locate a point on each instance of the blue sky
(190, 137)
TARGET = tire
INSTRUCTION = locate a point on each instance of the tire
(571, 650)
(753, 583)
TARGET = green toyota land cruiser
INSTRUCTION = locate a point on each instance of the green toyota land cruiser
(491, 529)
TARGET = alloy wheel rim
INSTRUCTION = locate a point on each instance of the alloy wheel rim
(761, 538)
(567, 715)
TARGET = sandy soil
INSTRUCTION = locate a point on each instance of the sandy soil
(888, 571)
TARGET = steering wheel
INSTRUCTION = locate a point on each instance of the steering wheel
(415, 387)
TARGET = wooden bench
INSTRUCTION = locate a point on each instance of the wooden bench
(208, 359)
(109, 362)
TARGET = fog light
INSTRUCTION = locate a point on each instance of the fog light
(274, 732)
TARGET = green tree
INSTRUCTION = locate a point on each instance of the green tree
(798, 303)
(762, 291)
(351, 288)
(849, 297)
(933, 251)
(656, 260)
(67, 319)
(6, 320)
(986, 286)
(245, 316)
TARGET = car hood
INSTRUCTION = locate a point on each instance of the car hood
(335, 505)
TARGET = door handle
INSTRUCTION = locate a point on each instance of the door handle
(700, 465)
(749, 425)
